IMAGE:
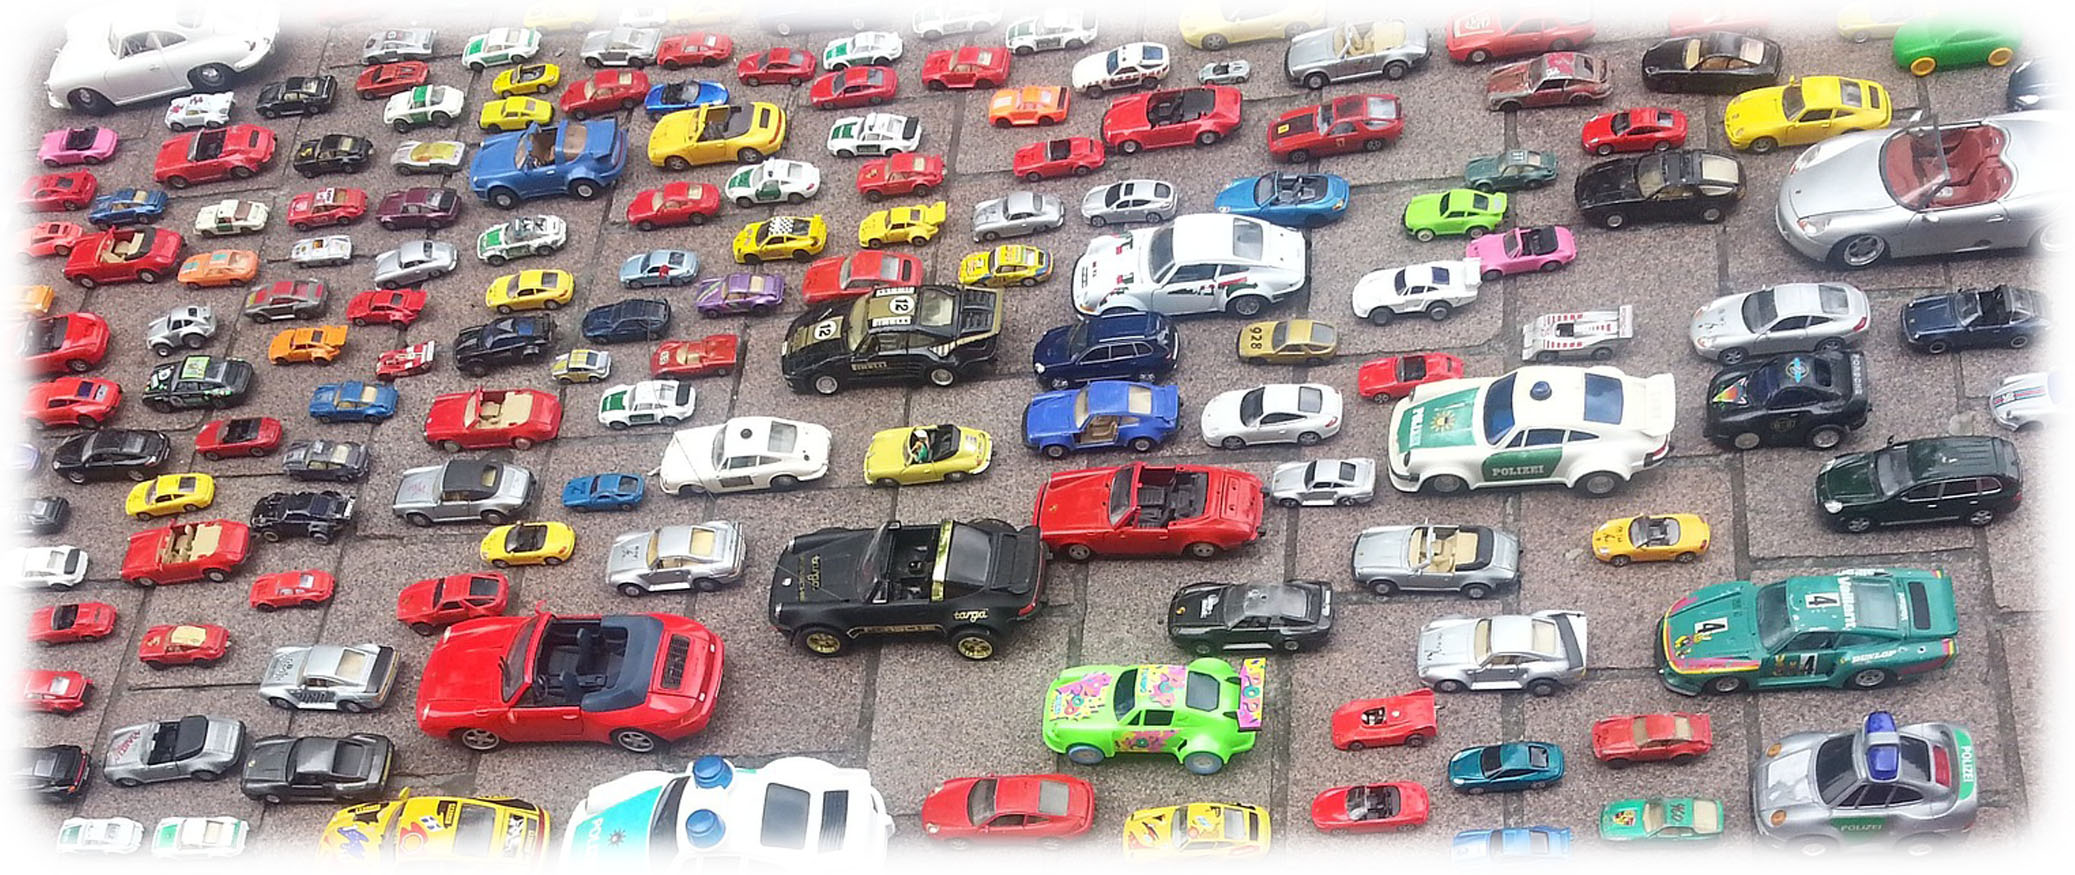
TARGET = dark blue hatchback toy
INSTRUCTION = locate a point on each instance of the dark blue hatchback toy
(1120, 346)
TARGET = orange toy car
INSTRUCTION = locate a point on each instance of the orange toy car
(224, 267)
(1029, 105)
(321, 344)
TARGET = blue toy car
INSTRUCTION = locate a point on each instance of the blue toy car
(670, 97)
(1511, 844)
(127, 206)
(353, 401)
(1293, 200)
(628, 321)
(1105, 413)
(579, 159)
(1134, 345)
(659, 267)
(1506, 768)
(604, 492)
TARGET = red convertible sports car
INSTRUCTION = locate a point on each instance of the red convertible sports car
(695, 49)
(1395, 376)
(1370, 807)
(1354, 123)
(606, 92)
(73, 621)
(847, 276)
(250, 436)
(55, 692)
(638, 681)
(675, 203)
(382, 80)
(1675, 737)
(900, 174)
(1079, 156)
(782, 64)
(75, 342)
(492, 418)
(1046, 809)
(139, 254)
(1641, 129)
(436, 603)
(325, 207)
(183, 644)
(1149, 510)
(51, 192)
(85, 402)
(854, 86)
(1392, 720)
(1175, 117)
(399, 307)
(232, 152)
(966, 67)
(1481, 35)
(307, 588)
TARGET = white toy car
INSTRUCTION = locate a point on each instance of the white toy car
(862, 49)
(499, 46)
(48, 567)
(1201, 263)
(423, 105)
(1434, 289)
(648, 402)
(581, 366)
(521, 237)
(322, 251)
(744, 453)
(771, 181)
(621, 47)
(754, 804)
(1233, 72)
(100, 835)
(1589, 428)
(1323, 482)
(2027, 401)
(874, 133)
(212, 110)
(1131, 200)
(119, 54)
(188, 327)
(227, 218)
(435, 156)
(938, 18)
(189, 837)
(1277, 413)
(1593, 334)
(1068, 29)
(1127, 66)
(415, 262)
(404, 44)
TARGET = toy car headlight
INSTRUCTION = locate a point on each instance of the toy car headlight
(1833, 506)
(930, 828)
(1774, 750)
(1603, 549)
(1038, 367)
(2028, 100)
(1777, 817)
(1813, 225)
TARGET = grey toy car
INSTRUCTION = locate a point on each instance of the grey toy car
(659, 267)
(1355, 50)
(1021, 213)
(414, 262)
(196, 746)
(188, 327)
(1475, 561)
(1540, 652)
(329, 677)
(1233, 72)
(1789, 317)
(705, 557)
(1323, 482)
(403, 44)
(1131, 200)
(1879, 786)
(283, 768)
(463, 490)
(325, 460)
(621, 47)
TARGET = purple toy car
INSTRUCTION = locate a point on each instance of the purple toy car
(757, 293)
(419, 207)
(68, 146)
(1523, 250)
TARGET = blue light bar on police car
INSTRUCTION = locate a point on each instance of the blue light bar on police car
(1883, 747)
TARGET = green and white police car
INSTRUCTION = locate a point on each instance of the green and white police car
(1589, 428)
(1878, 786)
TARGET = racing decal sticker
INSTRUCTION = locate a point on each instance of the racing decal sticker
(1625, 817)
(1080, 699)
(1161, 684)
(1253, 675)
(1735, 394)
(1145, 740)
(1705, 629)
(1823, 600)
(1442, 422)
(1797, 369)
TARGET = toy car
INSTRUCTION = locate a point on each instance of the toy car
(186, 644)
(55, 773)
(711, 356)
(1201, 115)
(607, 92)
(1206, 830)
(781, 64)
(1553, 79)
(1406, 719)
(1323, 482)
(1521, 250)
(1005, 265)
(675, 204)
(514, 113)
(99, 835)
(865, 48)
(47, 567)
(1255, 264)
(1052, 29)
(413, 157)
(1703, 653)
(354, 678)
(296, 96)
(52, 238)
(169, 494)
(526, 79)
(1680, 536)
(1356, 122)
(491, 418)
(1040, 105)
(1101, 414)
(390, 46)
(627, 321)
(966, 67)
(1130, 65)
(88, 145)
(1232, 72)
(69, 190)
(383, 824)
(1166, 511)
(386, 307)
(1880, 760)
(744, 453)
(231, 217)
(898, 175)
(251, 436)
(419, 207)
(1506, 768)
(331, 153)
(352, 401)
(1635, 438)
(1092, 711)
(35, 300)
(1975, 318)
(1485, 33)
(1389, 378)
(333, 461)
(1642, 129)
(874, 133)
(1593, 334)
(932, 333)
(414, 262)
(592, 492)
(773, 181)
(1676, 737)
(645, 403)
(907, 456)
(1009, 810)
(1978, 477)
(423, 105)
(325, 251)
(315, 768)
(319, 516)
(195, 746)
(844, 277)
(406, 361)
(437, 603)
(82, 402)
(1822, 107)
(109, 453)
(735, 293)
(797, 237)
(1209, 617)
(714, 134)
(126, 206)
(579, 159)
(1511, 170)
(1355, 50)
(499, 46)
(944, 17)
(620, 47)
(1720, 61)
(462, 490)
(1811, 399)
(188, 327)
(1955, 40)
(658, 268)
(1399, 805)
(697, 48)
(1452, 212)
(1303, 413)
(1288, 341)
(1683, 184)
(916, 225)
(581, 366)
(197, 381)
(1078, 156)
(852, 87)
(1540, 652)
(537, 289)
(1660, 820)
(1473, 561)
(285, 300)
(381, 80)
(70, 622)
(42, 515)
(521, 237)
(325, 207)
(1789, 317)
(200, 110)
(705, 557)
(1293, 200)
(2027, 401)
(503, 341)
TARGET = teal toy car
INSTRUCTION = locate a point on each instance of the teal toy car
(1670, 819)
(1860, 629)
(1201, 713)
(1511, 170)
(1506, 768)
(1945, 41)
(1455, 211)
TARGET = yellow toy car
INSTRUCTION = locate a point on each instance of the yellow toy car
(526, 79)
(529, 544)
(1803, 111)
(1876, 19)
(917, 225)
(318, 343)
(168, 494)
(515, 113)
(36, 300)
(1288, 342)
(926, 454)
(795, 237)
(547, 15)
(716, 134)
(411, 830)
(1680, 537)
(1215, 24)
(1198, 829)
(1010, 264)
(531, 290)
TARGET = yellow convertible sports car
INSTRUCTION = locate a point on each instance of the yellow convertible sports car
(433, 829)
(926, 454)
(1010, 264)
(531, 290)
(1288, 342)
(515, 113)
(526, 79)
(1803, 111)
(168, 494)
(917, 225)
(1215, 24)
(1198, 829)
(716, 134)
(780, 237)
(1681, 537)
(529, 544)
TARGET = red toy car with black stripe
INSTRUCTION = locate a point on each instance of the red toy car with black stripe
(695, 49)
(72, 621)
(1201, 115)
(75, 342)
(230, 152)
(1391, 720)
(853, 87)
(1354, 123)
(899, 174)
(1009, 809)
(138, 254)
(245, 436)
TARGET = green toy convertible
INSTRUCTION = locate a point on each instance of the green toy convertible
(1861, 629)
(1928, 44)
(1201, 713)
(1455, 211)
(1671, 819)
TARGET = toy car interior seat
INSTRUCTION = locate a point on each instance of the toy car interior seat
(1102, 428)
(1365, 801)
(1660, 531)
(1356, 39)
(187, 637)
(1538, 241)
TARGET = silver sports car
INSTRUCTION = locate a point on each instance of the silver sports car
(195, 746)
(1789, 317)
(329, 677)
(413, 263)
(1539, 652)
(1475, 561)
(621, 47)
(1929, 189)
(462, 490)
(1880, 785)
(1323, 482)
(1019, 214)
(1131, 200)
(1355, 50)
(403, 44)
(704, 557)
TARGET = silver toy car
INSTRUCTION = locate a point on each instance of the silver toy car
(1789, 317)
(1355, 50)
(1021, 213)
(329, 677)
(462, 490)
(1880, 786)
(1275, 413)
(1539, 652)
(659, 267)
(1323, 482)
(2026, 401)
(621, 47)
(404, 44)
(325, 251)
(1132, 200)
(704, 557)
(188, 327)
(414, 262)
(1592, 334)
(1474, 561)
(1234, 72)
(195, 746)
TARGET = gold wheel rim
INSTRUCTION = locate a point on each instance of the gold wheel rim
(2000, 56)
(975, 648)
(822, 642)
(1923, 66)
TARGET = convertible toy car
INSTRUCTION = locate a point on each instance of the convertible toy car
(125, 206)
(874, 133)
(1300, 413)
(775, 180)
(66, 147)
(1210, 710)
(297, 96)
(1862, 629)
(1323, 482)
(315, 768)
(1399, 805)
(74, 342)
(853, 87)
(1680, 537)
(1525, 29)
(81, 402)
(548, 543)
(1922, 778)
(1789, 317)
(1293, 200)
(1198, 830)
(1131, 65)
(1452, 212)
(1009, 810)
(70, 622)
(743, 454)
(912, 455)
(382, 80)
(1352, 123)
(1592, 334)
(1077, 156)
(934, 334)
(780, 64)
(436, 603)
(900, 175)
(1406, 719)
(1473, 561)
(915, 225)
(195, 746)
(1355, 50)
(492, 418)
(187, 644)
(1804, 399)
(1522, 250)
(1955, 40)
(1201, 115)
(1642, 129)
(1292, 615)
(169, 494)
(580, 159)
(1676, 737)
(1166, 510)
(1288, 342)
(1720, 61)
(1975, 318)
(1553, 79)
(352, 401)
(594, 492)
(1540, 652)
(1039, 105)
(1506, 768)
(675, 558)
(1102, 414)
(1660, 820)
(250, 436)
(1010, 264)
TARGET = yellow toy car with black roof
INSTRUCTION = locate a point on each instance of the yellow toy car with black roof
(780, 237)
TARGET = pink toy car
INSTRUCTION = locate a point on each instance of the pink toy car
(65, 147)
(1523, 250)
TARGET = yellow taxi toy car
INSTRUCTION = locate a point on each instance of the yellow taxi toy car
(1288, 342)
(168, 494)
(526, 79)
(716, 134)
(531, 290)
(917, 225)
(926, 454)
(318, 343)
(36, 300)
(1010, 264)
(1680, 537)
(515, 113)
(1803, 111)
(529, 544)
(1198, 829)
(796, 237)
(414, 830)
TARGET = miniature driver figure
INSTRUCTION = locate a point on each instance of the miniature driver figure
(918, 446)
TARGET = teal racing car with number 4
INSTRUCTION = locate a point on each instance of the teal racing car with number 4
(1859, 629)
(1201, 713)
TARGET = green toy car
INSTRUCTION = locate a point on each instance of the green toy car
(1201, 713)
(1669, 819)
(1861, 629)
(1455, 211)
(1938, 42)
(1511, 170)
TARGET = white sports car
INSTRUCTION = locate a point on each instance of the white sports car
(499, 46)
(1277, 413)
(329, 677)
(1589, 428)
(876, 133)
(937, 18)
(190, 837)
(100, 835)
(1593, 334)
(648, 402)
(1323, 482)
(403, 44)
(322, 251)
(2026, 401)
(1540, 652)
(754, 803)
(423, 105)
(211, 110)
(775, 180)
(1051, 29)
(1200, 263)
(1127, 66)
(122, 53)
(48, 567)
(1434, 289)
(863, 48)
(228, 217)
(743, 454)
(621, 47)
(434, 156)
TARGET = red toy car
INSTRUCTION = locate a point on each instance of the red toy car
(246, 436)
(1676, 737)
(382, 80)
(713, 355)
(966, 67)
(51, 238)
(186, 552)
(515, 679)
(1201, 510)
(1387, 807)
(854, 86)
(1354, 123)
(606, 92)
(184, 644)
(847, 276)
(307, 588)
(399, 307)
(50, 192)
(1046, 809)
(1395, 376)
(408, 361)
(1639, 129)
(72, 621)
(900, 174)
(230, 152)
(695, 49)
(143, 254)
(1476, 37)
(325, 207)
(1366, 723)
(85, 402)
(1175, 117)
(492, 418)
(75, 342)
(782, 64)
(54, 692)
(1079, 156)
(436, 603)
(675, 203)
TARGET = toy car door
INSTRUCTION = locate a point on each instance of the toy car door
(1190, 288)
(1499, 671)
(141, 66)
(1810, 657)
(1099, 431)
(1531, 454)
(546, 710)
(1279, 425)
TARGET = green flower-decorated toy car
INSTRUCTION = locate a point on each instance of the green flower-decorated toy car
(1201, 713)
(1670, 819)
(1455, 211)
(1861, 629)
(1945, 41)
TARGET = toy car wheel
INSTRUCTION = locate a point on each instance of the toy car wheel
(352, 707)
(551, 561)
(1248, 305)
(1822, 438)
(1203, 550)
(1542, 689)
(281, 703)
(1443, 484)
(823, 641)
(1861, 251)
(1233, 442)
(636, 741)
(1711, 215)
(1203, 762)
(1612, 221)
(1476, 591)
(271, 536)
(1309, 438)
(1202, 648)
(1937, 347)
(1926, 844)
(784, 482)
(1383, 586)
(1449, 686)
(1439, 311)
(1423, 235)
(1599, 484)
(973, 642)
(1603, 149)
(1619, 561)
(1206, 138)
(501, 198)
(1981, 518)
(1858, 525)
(1813, 846)
(425, 629)
(1602, 353)
(1724, 686)
(827, 384)
(941, 376)
(1077, 552)
(481, 740)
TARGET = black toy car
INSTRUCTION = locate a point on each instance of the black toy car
(297, 95)
(1208, 617)
(112, 453)
(57, 773)
(1974, 318)
(198, 381)
(43, 515)
(1674, 185)
(2035, 84)
(1807, 398)
(324, 460)
(319, 516)
(627, 321)
(332, 153)
(315, 768)
(506, 340)
(1956, 477)
(899, 334)
(1132, 345)
(966, 581)
(1716, 62)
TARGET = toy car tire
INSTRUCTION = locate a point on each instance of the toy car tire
(827, 384)
(584, 189)
(1724, 686)
(1619, 561)
(1085, 755)
(1542, 689)
(1813, 846)
(636, 741)
(822, 641)
(1598, 484)
(480, 740)
(281, 703)
(1449, 686)
(1476, 591)
(974, 643)
(1443, 484)
(1203, 762)
(1077, 552)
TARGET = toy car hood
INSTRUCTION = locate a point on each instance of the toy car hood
(1843, 175)
(1787, 779)
(1714, 629)
(2028, 396)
